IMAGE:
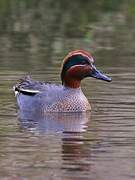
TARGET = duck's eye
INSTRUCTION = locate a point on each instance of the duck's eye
(83, 62)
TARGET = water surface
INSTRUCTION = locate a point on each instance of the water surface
(99, 145)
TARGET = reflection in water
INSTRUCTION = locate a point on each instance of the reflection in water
(76, 158)
(70, 128)
(53, 122)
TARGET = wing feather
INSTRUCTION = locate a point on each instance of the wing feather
(26, 86)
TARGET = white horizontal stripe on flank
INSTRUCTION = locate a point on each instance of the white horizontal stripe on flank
(29, 90)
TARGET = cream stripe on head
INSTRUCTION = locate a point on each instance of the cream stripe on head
(79, 52)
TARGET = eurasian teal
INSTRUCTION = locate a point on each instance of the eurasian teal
(48, 97)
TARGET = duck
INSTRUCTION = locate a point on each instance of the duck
(36, 96)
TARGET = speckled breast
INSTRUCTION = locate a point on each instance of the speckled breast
(71, 103)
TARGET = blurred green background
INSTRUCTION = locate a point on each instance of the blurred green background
(33, 32)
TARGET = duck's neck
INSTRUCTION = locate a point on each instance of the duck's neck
(71, 83)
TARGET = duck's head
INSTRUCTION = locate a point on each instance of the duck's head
(78, 65)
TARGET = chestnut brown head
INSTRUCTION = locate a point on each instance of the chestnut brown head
(78, 65)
